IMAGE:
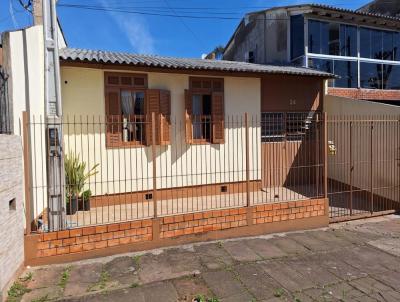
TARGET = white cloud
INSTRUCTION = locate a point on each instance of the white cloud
(137, 33)
(11, 11)
(135, 29)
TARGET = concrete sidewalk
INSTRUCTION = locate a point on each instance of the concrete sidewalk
(356, 261)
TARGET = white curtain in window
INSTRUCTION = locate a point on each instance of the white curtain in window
(127, 103)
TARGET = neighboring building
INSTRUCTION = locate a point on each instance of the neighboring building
(362, 48)
(383, 7)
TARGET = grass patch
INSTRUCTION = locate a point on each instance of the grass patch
(65, 277)
(203, 298)
(220, 244)
(136, 260)
(41, 299)
(134, 285)
(104, 276)
(16, 291)
(27, 277)
(102, 283)
(279, 292)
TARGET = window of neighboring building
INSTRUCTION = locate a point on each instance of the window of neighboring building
(370, 75)
(348, 72)
(204, 108)
(334, 42)
(348, 40)
(396, 46)
(391, 76)
(387, 46)
(379, 45)
(322, 65)
(332, 38)
(129, 105)
(250, 57)
(296, 36)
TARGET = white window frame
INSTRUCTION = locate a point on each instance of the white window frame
(358, 59)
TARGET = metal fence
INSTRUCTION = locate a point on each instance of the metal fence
(5, 105)
(363, 165)
(119, 169)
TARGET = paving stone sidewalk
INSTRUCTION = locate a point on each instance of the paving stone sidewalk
(356, 261)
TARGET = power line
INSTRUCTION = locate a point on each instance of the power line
(97, 8)
(184, 23)
(158, 11)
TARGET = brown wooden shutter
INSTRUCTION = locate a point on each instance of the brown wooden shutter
(217, 116)
(188, 117)
(113, 117)
(165, 117)
(152, 105)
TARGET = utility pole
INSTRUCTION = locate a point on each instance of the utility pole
(53, 108)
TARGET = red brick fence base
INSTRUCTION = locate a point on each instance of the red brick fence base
(103, 240)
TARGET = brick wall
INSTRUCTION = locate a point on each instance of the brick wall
(174, 226)
(92, 241)
(11, 218)
(92, 238)
(288, 211)
(366, 94)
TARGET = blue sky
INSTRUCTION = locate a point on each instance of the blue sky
(142, 33)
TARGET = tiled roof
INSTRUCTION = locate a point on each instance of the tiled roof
(357, 12)
(332, 8)
(107, 57)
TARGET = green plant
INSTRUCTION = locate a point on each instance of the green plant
(86, 194)
(17, 290)
(203, 298)
(101, 283)
(279, 292)
(134, 285)
(27, 277)
(76, 176)
(41, 299)
(65, 277)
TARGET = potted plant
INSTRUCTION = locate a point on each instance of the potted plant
(75, 180)
(84, 200)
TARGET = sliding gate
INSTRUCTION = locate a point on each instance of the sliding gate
(363, 165)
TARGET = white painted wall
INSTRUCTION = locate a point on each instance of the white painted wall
(24, 52)
(385, 139)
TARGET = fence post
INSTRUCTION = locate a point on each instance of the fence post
(27, 182)
(153, 155)
(351, 167)
(325, 148)
(246, 122)
(371, 169)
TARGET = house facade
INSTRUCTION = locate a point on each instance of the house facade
(362, 48)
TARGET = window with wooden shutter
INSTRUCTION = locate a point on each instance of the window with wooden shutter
(217, 118)
(113, 117)
(165, 117)
(188, 117)
(159, 102)
(204, 110)
(125, 98)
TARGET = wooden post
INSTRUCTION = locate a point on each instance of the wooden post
(154, 157)
(27, 179)
(246, 122)
(325, 144)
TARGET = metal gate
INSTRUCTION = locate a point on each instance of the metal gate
(363, 165)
